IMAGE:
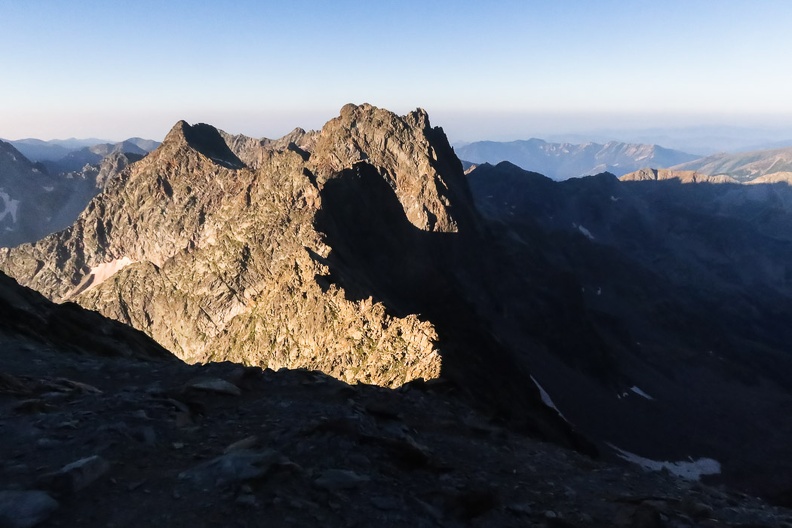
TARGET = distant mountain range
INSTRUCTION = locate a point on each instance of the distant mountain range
(39, 198)
(702, 140)
(52, 150)
(77, 159)
(561, 161)
(755, 166)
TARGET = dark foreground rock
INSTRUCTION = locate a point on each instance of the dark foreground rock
(122, 442)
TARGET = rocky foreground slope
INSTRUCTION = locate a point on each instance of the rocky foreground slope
(126, 443)
(101, 427)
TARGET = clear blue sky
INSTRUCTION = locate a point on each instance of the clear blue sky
(115, 68)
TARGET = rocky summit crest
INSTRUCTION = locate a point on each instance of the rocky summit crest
(230, 257)
(204, 139)
(415, 159)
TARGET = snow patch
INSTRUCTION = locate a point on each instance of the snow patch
(689, 470)
(99, 274)
(9, 207)
(640, 393)
(583, 230)
(546, 399)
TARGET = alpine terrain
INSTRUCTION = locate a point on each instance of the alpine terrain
(620, 318)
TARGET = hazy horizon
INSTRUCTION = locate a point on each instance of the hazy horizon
(512, 70)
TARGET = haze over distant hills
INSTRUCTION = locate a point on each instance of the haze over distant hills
(43, 197)
(701, 140)
(52, 150)
(77, 159)
(560, 161)
(755, 166)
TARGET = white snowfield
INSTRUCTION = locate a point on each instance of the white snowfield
(583, 230)
(546, 399)
(9, 207)
(99, 274)
(640, 393)
(689, 470)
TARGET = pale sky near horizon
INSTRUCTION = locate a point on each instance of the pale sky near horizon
(113, 69)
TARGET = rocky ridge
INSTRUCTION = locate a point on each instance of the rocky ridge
(234, 251)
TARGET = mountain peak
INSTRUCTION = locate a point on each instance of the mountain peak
(415, 159)
(205, 139)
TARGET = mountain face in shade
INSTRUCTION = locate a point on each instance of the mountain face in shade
(361, 250)
(698, 276)
(29, 318)
(561, 161)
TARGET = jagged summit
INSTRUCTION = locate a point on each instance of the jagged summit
(203, 138)
(305, 257)
(418, 162)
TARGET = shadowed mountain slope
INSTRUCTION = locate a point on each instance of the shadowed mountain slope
(694, 275)
(35, 202)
